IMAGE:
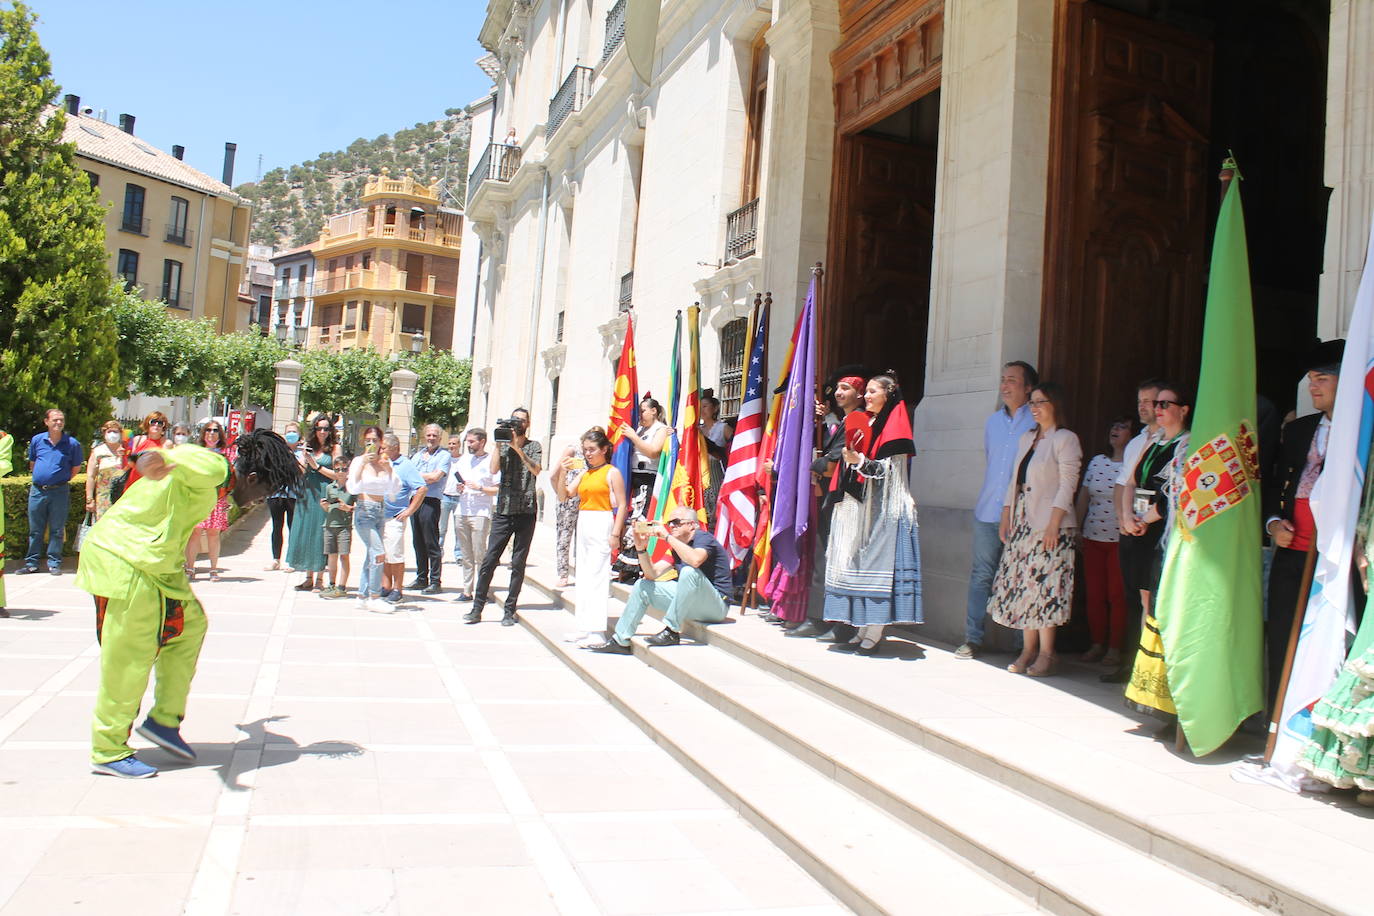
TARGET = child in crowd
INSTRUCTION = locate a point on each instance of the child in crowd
(338, 532)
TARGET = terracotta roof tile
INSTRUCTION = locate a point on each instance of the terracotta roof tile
(95, 139)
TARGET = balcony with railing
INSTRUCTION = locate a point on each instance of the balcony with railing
(178, 235)
(570, 98)
(499, 162)
(368, 279)
(384, 185)
(291, 289)
(443, 229)
(136, 225)
(742, 231)
(615, 30)
(627, 287)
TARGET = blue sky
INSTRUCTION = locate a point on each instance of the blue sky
(288, 79)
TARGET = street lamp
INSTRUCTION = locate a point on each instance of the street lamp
(417, 342)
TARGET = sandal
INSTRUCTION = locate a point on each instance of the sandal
(306, 586)
(1112, 659)
(1049, 668)
(214, 575)
(1019, 666)
(273, 566)
(1095, 654)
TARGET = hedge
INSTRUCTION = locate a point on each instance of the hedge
(16, 491)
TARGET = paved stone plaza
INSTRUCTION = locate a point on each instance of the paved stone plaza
(356, 763)
(353, 762)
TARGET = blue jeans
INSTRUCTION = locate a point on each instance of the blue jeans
(987, 550)
(447, 506)
(47, 511)
(367, 521)
(690, 596)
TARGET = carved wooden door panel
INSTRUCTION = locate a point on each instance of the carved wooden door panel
(1125, 255)
(877, 298)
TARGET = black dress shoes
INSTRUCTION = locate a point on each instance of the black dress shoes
(472, 616)
(417, 583)
(810, 629)
(430, 589)
(666, 637)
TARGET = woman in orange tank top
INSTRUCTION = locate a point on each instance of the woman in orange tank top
(600, 523)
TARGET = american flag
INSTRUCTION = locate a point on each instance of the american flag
(737, 507)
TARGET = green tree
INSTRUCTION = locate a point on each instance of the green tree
(251, 351)
(353, 381)
(57, 337)
(441, 392)
(163, 356)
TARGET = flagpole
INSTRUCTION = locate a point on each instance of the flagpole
(1308, 569)
(749, 598)
(820, 427)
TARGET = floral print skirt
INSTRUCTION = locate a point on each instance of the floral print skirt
(1034, 586)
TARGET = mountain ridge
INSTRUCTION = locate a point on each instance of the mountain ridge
(292, 203)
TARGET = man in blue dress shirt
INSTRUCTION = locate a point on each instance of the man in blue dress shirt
(54, 458)
(1001, 436)
(433, 462)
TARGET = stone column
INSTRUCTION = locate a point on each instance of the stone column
(986, 272)
(286, 398)
(403, 407)
(795, 204)
(1349, 161)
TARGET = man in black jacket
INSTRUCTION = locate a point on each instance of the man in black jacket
(1287, 513)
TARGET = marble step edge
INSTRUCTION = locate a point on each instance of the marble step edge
(820, 743)
(1212, 866)
(669, 714)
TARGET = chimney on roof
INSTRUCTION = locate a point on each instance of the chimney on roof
(179, 152)
(73, 103)
(229, 150)
(126, 123)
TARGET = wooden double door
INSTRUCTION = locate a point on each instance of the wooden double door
(1126, 222)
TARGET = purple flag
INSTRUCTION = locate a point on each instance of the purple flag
(796, 440)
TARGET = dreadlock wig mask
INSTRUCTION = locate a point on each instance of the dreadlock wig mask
(265, 464)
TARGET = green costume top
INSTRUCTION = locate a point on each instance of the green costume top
(146, 532)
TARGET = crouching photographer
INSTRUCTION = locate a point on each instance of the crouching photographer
(518, 461)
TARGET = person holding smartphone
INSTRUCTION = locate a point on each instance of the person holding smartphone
(702, 585)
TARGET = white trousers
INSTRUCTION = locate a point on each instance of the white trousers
(593, 564)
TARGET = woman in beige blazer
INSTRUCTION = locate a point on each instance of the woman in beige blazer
(1033, 590)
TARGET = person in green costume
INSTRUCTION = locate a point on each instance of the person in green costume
(6, 465)
(146, 616)
(1340, 751)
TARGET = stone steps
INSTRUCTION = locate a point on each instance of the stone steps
(870, 861)
(1119, 799)
(1051, 861)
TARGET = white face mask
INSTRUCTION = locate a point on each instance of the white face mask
(179, 438)
(112, 437)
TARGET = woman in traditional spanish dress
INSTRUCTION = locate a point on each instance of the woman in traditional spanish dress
(873, 562)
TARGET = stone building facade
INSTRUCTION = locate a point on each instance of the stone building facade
(983, 181)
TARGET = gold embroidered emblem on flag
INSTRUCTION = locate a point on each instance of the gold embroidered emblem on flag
(1216, 477)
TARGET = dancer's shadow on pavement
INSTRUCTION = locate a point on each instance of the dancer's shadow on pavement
(282, 750)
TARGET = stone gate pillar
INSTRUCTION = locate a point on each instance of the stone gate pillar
(286, 398)
(402, 418)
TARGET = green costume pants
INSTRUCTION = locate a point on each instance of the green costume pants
(144, 632)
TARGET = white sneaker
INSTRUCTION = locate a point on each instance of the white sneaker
(378, 606)
(363, 604)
